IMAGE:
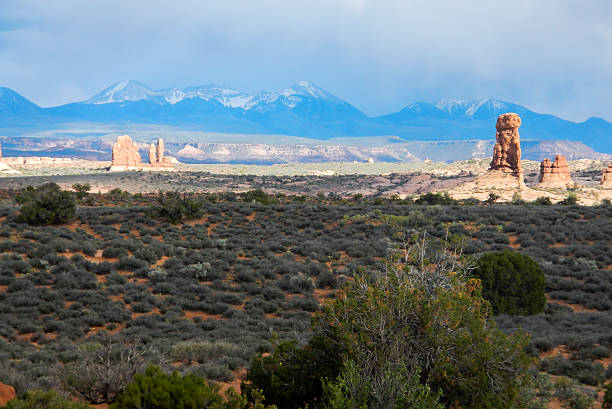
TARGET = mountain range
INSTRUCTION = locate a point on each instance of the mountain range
(302, 110)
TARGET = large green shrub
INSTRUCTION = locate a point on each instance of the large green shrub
(418, 326)
(44, 400)
(292, 375)
(46, 204)
(512, 282)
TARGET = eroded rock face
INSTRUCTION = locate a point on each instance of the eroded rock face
(555, 174)
(125, 153)
(606, 177)
(156, 155)
(507, 150)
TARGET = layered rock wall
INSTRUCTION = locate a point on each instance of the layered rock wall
(125, 154)
(555, 174)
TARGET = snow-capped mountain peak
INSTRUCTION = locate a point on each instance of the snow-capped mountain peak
(121, 92)
(130, 91)
(469, 107)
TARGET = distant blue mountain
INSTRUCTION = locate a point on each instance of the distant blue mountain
(303, 109)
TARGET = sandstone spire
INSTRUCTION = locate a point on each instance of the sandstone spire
(606, 177)
(555, 174)
(507, 150)
(156, 155)
(152, 154)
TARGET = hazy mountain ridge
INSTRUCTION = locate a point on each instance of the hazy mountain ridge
(303, 109)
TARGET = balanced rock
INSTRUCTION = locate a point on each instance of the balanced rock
(606, 177)
(125, 154)
(507, 150)
(555, 174)
(505, 172)
(156, 155)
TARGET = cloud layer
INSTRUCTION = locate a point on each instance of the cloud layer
(552, 56)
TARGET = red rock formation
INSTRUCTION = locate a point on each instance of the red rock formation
(555, 174)
(606, 177)
(7, 392)
(507, 150)
(156, 155)
(125, 154)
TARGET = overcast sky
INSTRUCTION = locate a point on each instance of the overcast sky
(379, 55)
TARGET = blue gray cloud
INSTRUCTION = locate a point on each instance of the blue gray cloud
(380, 55)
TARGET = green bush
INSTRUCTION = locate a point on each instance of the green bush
(258, 196)
(292, 375)
(512, 282)
(435, 199)
(607, 401)
(44, 400)
(46, 204)
(155, 389)
(175, 207)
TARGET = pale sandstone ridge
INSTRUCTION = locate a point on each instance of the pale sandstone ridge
(5, 168)
(125, 155)
(606, 177)
(156, 155)
(555, 174)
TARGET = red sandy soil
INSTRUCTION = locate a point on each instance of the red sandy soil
(321, 295)
(558, 350)
(239, 375)
(203, 315)
(574, 307)
(7, 393)
(513, 242)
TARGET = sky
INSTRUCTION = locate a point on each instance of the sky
(380, 55)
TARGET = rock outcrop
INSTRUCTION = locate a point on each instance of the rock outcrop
(7, 393)
(156, 155)
(606, 177)
(125, 155)
(507, 150)
(555, 174)
(505, 171)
